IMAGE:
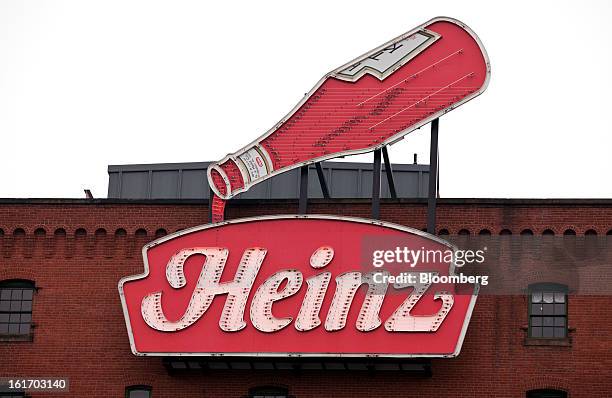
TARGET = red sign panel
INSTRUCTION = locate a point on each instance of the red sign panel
(293, 285)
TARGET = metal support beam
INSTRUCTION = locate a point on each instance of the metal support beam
(433, 178)
(376, 186)
(389, 172)
(322, 180)
(303, 206)
(211, 194)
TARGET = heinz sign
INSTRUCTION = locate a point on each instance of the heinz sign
(291, 285)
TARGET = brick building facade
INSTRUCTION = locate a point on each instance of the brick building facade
(75, 251)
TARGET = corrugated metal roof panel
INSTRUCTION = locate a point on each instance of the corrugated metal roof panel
(188, 181)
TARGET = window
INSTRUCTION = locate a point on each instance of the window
(268, 392)
(546, 393)
(16, 307)
(548, 311)
(138, 392)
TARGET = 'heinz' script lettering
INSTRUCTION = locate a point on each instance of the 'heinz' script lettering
(283, 284)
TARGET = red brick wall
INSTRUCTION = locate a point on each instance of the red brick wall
(80, 332)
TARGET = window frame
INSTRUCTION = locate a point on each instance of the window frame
(269, 390)
(15, 394)
(543, 392)
(547, 287)
(138, 387)
(23, 284)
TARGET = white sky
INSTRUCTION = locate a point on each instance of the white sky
(85, 84)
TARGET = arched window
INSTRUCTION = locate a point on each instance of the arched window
(139, 391)
(569, 232)
(16, 309)
(546, 393)
(443, 231)
(526, 232)
(548, 232)
(463, 232)
(484, 232)
(505, 232)
(548, 310)
(590, 232)
(268, 392)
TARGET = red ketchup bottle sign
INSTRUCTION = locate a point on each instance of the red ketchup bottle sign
(365, 104)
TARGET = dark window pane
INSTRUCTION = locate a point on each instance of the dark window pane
(16, 294)
(536, 332)
(4, 318)
(559, 309)
(13, 328)
(547, 332)
(268, 392)
(26, 306)
(548, 309)
(548, 321)
(26, 317)
(3, 328)
(546, 393)
(15, 305)
(139, 394)
(24, 328)
(536, 321)
(559, 321)
(5, 294)
(5, 305)
(536, 309)
(14, 318)
(559, 332)
(27, 294)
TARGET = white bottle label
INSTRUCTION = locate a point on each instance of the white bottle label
(254, 163)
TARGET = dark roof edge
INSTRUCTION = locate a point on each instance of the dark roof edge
(200, 202)
(116, 168)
